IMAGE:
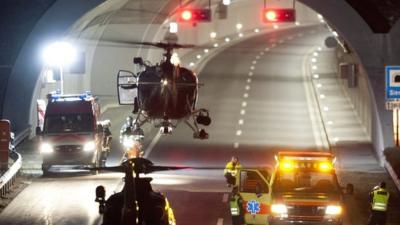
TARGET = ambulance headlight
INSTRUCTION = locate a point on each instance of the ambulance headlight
(333, 210)
(278, 209)
(89, 146)
(46, 148)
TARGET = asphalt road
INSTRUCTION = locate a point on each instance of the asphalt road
(259, 99)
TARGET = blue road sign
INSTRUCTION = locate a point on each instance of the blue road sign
(392, 83)
(253, 207)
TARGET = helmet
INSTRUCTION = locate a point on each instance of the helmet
(129, 120)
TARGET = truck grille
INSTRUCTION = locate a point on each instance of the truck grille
(306, 212)
(68, 148)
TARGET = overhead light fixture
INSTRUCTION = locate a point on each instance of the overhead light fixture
(239, 26)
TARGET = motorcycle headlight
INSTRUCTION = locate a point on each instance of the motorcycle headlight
(89, 146)
(128, 142)
(278, 209)
(46, 148)
(333, 210)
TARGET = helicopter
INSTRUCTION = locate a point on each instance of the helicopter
(163, 94)
(137, 203)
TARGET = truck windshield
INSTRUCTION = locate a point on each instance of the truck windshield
(305, 181)
(70, 123)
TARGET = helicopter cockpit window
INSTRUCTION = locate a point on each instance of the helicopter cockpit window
(127, 87)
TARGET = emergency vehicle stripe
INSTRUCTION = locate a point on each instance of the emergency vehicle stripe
(264, 208)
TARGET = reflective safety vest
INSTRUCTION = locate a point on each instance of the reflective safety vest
(232, 169)
(380, 200)
(235, 209)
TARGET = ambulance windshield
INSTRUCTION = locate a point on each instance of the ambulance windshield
(305, 181)
(68, 123)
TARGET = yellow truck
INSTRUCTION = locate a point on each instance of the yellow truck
(302, 189)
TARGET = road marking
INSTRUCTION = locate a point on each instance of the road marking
(151, 145)
(312, 106)
(220, 221)
(225, 198)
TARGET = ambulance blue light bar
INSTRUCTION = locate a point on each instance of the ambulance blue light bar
(56, 97)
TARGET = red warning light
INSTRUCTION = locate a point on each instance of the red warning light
(278, 15)
(270, 15)
(186, 15)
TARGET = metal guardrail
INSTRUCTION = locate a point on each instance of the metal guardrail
(8, 178)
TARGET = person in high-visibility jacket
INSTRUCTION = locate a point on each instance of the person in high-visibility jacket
(379, 199)
(235, 204)
(231, 169)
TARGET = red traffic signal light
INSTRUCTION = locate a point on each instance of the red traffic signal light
(195, 15)
(278, 15)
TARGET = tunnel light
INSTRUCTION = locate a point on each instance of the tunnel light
(315, 54)
(336, 139)
(319, 85)
(213, 35)
(314, 60)
(239, 26)
(227, 39)
(59, 53)
(297, 23)
(242, 112)
(173, 27)
(206, 50)
(240, 34)
(321, 96)
(276, 26)
(319, 49)
(314, 67)
(191, 64)
(238, 132)
(316, 76)
(330, 122)
(326, 108)
(320, 16)
(226, 2)
(335, 34)
(215, 45)
(256, 30)
(198, 56)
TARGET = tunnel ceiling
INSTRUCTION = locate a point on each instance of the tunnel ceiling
(380, 15)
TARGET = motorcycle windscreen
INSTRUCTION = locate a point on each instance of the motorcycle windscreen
(127, 87)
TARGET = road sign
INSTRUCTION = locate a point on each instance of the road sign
(392, 83)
